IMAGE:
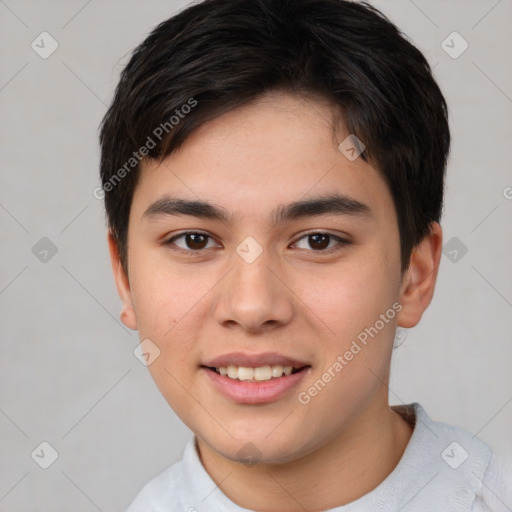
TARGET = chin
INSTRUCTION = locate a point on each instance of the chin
(260, 447)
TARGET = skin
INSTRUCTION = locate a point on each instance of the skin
(293, 299)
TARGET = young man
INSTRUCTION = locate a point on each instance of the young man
(273, 175)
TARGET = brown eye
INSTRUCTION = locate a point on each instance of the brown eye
(321, 242)
(192, 241)
(318, 241)
(196, 241)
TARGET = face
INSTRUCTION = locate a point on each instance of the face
(256, 250)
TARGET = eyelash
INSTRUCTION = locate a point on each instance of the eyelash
(342, 242)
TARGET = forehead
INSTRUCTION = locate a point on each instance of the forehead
(279, 149)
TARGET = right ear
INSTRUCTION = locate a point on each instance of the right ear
(122, 284)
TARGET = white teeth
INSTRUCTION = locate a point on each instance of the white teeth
(260, 373)
(263, 373)
(277, 370)
(232, 371)
(245, 373)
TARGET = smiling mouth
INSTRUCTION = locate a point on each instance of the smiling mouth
(256, 374)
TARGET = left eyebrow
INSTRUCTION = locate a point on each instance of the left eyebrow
(333, 204)
(336, 204)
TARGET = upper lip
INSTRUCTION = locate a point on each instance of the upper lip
(253, 360)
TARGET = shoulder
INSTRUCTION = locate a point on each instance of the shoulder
(495, 494)
(182, 487)
(449, 459)
(449, 446)
(173, 487)
(161, 493)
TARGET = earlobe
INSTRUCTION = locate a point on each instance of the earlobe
(420, 278)
(122, 284)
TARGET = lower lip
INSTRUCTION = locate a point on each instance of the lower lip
(246, 392)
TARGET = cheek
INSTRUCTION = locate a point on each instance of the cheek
(350, 297)
(170, 310)
(163, 295)
(358, 307)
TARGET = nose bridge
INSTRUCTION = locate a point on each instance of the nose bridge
(252, 296)
(254, 277)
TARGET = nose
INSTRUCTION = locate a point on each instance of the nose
(254, 296)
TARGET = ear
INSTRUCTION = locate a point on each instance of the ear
(420, 278)
(122, 284)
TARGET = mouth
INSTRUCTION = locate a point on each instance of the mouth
(255, 378)
(258, 373)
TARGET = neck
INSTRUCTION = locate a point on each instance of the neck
(343, 470)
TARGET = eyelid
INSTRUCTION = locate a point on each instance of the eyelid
(188, 232)
(169, 240)
(341, 238)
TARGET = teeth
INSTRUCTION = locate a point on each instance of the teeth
(261, 373)
(232, 371)
(245, 373)
(277, 370)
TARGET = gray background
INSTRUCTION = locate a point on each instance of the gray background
(67, 369)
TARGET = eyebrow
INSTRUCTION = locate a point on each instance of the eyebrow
(335, 204)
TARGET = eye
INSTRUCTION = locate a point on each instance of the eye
(319, 242)
(192, 241)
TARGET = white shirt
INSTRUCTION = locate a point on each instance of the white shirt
(443, 469)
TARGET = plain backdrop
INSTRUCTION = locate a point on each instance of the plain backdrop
(67, 369)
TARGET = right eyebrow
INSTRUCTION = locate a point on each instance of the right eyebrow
(171, 206)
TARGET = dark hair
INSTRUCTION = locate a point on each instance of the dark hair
(220, 54)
